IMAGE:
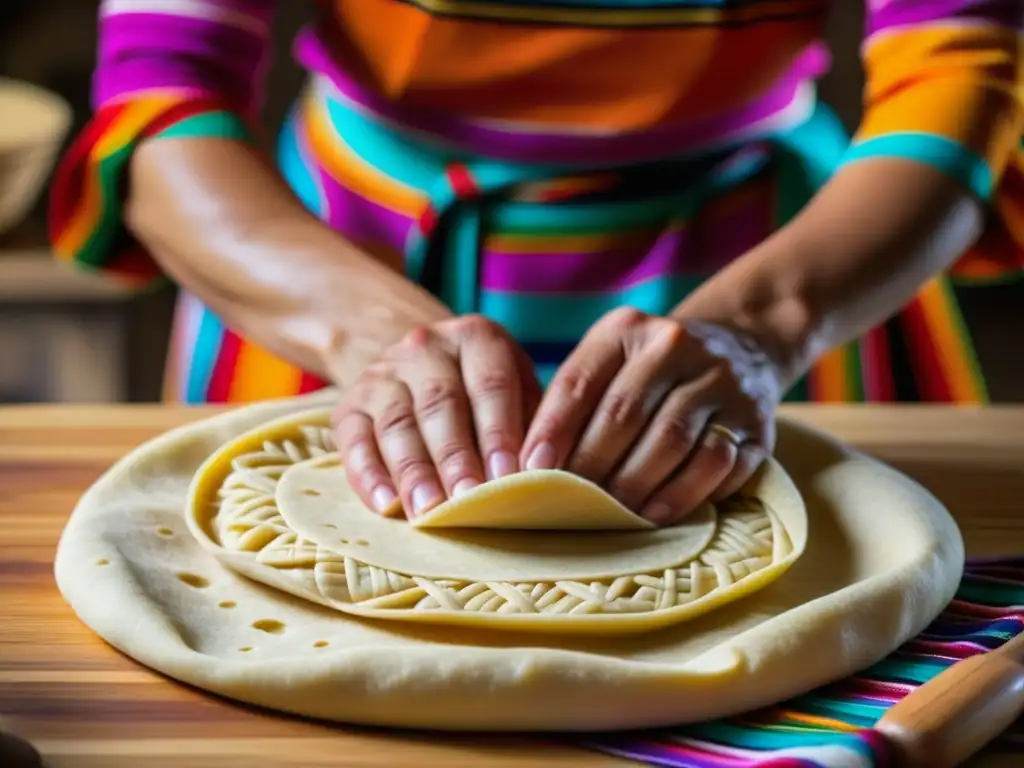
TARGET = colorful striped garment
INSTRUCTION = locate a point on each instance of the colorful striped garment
(832, 727)
(544, 161)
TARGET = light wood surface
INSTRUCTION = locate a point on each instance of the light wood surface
(85, 706)
(33, 276)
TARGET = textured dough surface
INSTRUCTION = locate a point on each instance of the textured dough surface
(540, 500)
(882, 558)
(469, 550)
(275, 505)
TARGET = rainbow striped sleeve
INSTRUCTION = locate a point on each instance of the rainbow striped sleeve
(166, 68)
(945, 86)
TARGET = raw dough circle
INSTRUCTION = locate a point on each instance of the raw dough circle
(882, 559)
(274, 504)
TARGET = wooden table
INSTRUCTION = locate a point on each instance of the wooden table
(85, 706)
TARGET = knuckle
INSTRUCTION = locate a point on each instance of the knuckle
(454, 459)
(622, 409)
(624, 318)
(418, 338)
(575, 383)
(675, 430)
(490, 383)
(476, 326)
(396, 416)
(412, 470)
(494, 436)
(669, 336)
(437, 395)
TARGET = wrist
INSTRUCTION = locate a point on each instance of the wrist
(772, 308)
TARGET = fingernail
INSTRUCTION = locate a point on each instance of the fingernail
(542, 457)
(501, 464)
(383, 497)
(658, 513)
(425, 496)
(464, 485)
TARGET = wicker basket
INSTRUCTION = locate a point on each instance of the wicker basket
(33, 124)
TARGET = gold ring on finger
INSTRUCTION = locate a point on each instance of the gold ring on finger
(733, 437)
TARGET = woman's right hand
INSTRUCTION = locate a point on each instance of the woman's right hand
(440, 412)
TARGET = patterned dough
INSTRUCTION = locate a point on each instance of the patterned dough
(883, 557)
(274, 504)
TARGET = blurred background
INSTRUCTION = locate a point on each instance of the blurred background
(65, 336)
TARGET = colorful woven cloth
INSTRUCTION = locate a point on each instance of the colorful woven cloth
(832, 726)
(656, 141)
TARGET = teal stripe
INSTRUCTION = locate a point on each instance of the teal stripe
(391, 153)
(204, 356)
(946, 155)
(1000, 595)
(567, 317)
(221, 125)
(296, 171)
(907, 671)
(574, 219)
(850, 712)
(757, 738)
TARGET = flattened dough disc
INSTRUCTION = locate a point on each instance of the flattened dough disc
(883, 557)
(275, 505)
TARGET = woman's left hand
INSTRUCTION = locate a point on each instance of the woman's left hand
(663, 413)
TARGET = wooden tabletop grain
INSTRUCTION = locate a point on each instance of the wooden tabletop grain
(85, 706)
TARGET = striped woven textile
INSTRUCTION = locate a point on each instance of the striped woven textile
(832, 726)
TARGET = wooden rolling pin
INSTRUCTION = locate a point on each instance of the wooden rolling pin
(955, 714)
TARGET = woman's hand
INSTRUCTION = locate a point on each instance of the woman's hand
(662, 413)
(441, 411)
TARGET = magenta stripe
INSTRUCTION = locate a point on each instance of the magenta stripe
(584, 272)
(901, 13)
(142, 51)
(150, 34)
(360, 219)
(700, 249)
(546, 147)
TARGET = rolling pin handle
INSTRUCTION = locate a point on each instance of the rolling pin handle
(951, 717)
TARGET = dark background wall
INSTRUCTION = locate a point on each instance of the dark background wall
(52, 42)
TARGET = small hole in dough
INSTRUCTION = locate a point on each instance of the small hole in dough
(164, 531)
(332, 526)
(310, 492)
(273, 626)
(320, 644)
(103, 561)
(362, 542)
(343, 541)
(193, 580)
(245, 648)
(227, 603)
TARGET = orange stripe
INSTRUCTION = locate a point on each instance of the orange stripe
(948, 81)
(824, 722)
(351, 172)
(953, 355)
(84, 220)
(828, 378)
(563, 76)
(554, 243)
(259, 375)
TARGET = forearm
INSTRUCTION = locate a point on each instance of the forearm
(225, 227)
(850, 260)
